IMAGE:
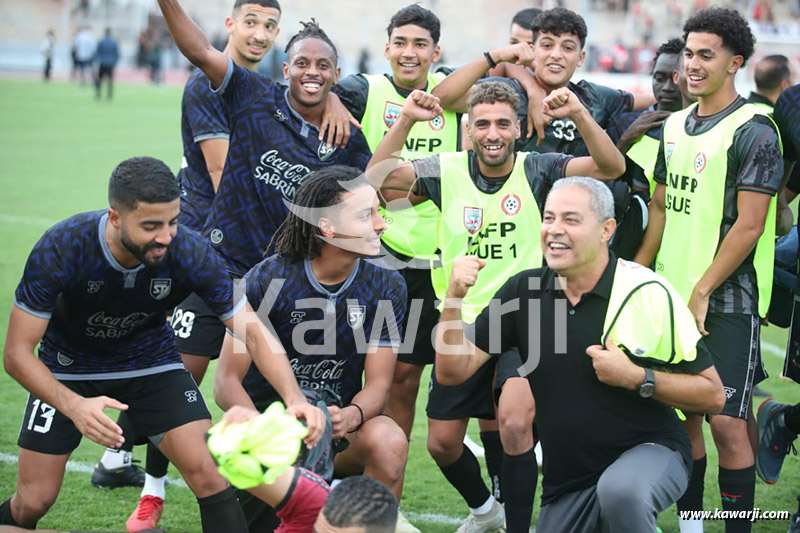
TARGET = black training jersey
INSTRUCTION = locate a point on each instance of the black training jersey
(272, 149)
(561, 135)
(107, 321)
(325, 334)
(634, 175)
(787, 117)
(202, 118)
(754, 164)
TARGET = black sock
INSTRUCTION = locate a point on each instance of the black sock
(737, 488)
(157, 462)
(792, 418)
(5, 514)
(692, 499)
(221, 512)
(493, 453)
(127, 431)
(465, 476)
(519, 480)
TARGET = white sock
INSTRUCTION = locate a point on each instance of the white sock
(694, 525)
(485, 508)
(154, 486)
(116, 458)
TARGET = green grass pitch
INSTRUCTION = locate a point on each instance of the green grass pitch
(58, 147)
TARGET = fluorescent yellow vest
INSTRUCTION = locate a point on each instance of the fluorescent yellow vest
(644, 153)
(647, 316)
(501, 228)
(696, 169)
(409, 230)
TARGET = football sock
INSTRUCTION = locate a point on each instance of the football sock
(465, 476)
(791, 418)
(221, 512)
(493, 450)
(485, 508)
(157, 462)
(694, 525)
(737, 488)
(154, 486)
(692, 499)
(5, 514)
(113, 459)
(519, 478)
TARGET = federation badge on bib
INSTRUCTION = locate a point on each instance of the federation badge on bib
(473, 219)
(390, 113)
(356, 315)
(160, 288)
(670, 149)
(699, 162)
(511, 204)
(437, 124)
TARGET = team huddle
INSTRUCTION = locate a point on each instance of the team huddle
(585, 268)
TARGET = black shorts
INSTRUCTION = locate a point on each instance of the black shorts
(733, 342)
(471, 399)
(198, 331)
(156, 404)
(507, 367)
(420, 288)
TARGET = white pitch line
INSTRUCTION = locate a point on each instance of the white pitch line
(27, 221)
(86, 468)
(773, 349)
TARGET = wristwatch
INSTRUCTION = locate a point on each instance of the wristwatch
(648, 386)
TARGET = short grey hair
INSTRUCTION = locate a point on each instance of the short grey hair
(601, 199)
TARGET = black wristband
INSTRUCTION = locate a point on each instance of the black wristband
(361, 412)
(489, 59)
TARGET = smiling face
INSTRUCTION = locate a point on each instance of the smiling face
(410, 52)
(493, 128)
(354, 223)
(145, 232)
(665, 90)
(709, 66)
(311, 71)
(252, 30)
(556, 58)
(572, 236)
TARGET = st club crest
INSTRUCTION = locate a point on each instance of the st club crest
(670, 149)
(473, 219)
(160, 288)
(437, 124)
(511, 204)
(93, 286)
(391, 112)
(700, 162)
(356, 315)
(323, 152)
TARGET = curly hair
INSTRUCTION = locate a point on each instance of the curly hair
(298, 237)
(673, 46)
(560, 20)
(141, 179)
(728, 24)
(312, 30)
(489, 92)
(359, 501)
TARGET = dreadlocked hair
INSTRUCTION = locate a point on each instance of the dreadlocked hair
(312, 30)
(299, 236)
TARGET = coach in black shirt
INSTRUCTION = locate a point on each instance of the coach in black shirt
(615, 453)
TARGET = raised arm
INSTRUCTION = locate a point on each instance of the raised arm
(231, 369)
(193, 43)
(604, 162)
(24, 333)
(457, 359)
(383, 172)
(453, 90)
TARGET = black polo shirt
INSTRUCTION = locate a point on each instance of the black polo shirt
(584, 425)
